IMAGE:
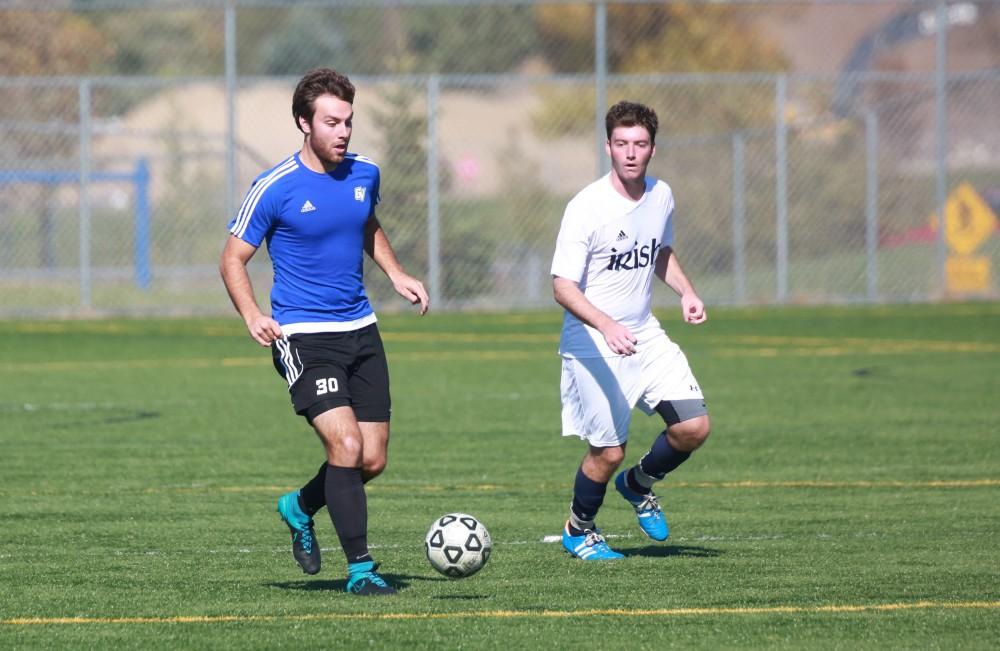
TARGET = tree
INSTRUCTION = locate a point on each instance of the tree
(467, 40)
(656, 38)
(45, 43)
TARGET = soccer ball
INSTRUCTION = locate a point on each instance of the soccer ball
(458, 545)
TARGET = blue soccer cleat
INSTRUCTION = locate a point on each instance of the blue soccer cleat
(305, 548)
(647, 510)
(589, 546)
(364, 580)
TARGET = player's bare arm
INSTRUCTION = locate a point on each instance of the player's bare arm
(668, 269)
(378, 249)
(567, 293)
(233, 268)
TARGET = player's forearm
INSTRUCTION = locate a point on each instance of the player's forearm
(381, 252)
(572, 299)
(240, 289)
(671, 273)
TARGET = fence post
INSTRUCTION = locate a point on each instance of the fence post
(48, 252)
(739, 218)
(433, 205)
(781, 189)
(601, 83)
(143, 272)
(231, 91)
(83, 209)
(941, 133)
(871, 203)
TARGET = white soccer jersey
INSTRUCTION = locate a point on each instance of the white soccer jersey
(608, 244)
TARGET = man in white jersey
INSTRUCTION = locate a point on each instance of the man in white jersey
(316, 211)
(616, 234)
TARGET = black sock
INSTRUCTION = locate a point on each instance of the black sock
(348, 507)
(312, 496)
(588, 495)
(662, 458)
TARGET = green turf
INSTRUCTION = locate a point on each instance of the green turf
(849, 496)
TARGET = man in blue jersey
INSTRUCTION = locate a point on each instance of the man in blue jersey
(616, 236)
(316, 211)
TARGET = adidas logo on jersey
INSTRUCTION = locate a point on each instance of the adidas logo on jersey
(621, 236)
(307, 207)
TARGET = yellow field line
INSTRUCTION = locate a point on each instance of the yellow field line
(870, 348)
(232, 328)
(516, 614)
(435, 488)
(112, 328)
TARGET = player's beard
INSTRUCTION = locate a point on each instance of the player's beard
(328, 153)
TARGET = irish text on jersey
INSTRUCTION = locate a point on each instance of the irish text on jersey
(637, 258)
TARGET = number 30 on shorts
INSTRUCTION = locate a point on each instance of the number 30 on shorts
(326, 385)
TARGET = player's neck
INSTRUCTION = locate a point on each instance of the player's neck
(631, 190)
(314, 162)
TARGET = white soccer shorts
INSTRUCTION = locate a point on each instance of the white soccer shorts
(599, 393)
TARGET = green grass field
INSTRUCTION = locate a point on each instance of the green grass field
(849, 496)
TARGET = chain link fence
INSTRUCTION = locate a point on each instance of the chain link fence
(807, 162)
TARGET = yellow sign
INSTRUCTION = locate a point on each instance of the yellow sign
(967, 274)
(968, 220)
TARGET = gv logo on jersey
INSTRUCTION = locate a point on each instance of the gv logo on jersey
(359, 193)
(637, 258)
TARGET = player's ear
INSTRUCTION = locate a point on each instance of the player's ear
(607, 147)
(304, 125)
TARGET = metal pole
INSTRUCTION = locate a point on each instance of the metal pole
(231, 90)
(781, 189)
(84, 205)
(601, 83)
(433, 206)
(739, 218)
(143, 269)
(941, 131)
(871, 203)
(48, 233)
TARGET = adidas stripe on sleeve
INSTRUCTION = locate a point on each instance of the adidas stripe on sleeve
(260, 208)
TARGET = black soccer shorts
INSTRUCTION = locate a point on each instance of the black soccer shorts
(326, 370)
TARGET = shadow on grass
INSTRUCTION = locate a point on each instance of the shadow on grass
(660, 551)
(398, 581)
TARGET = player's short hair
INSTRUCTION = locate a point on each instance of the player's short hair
(315, 83)
(630, 114)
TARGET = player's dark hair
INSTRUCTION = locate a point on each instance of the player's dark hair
(315, 83)
(630, 114)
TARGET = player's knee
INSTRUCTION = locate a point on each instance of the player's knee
(373, 467)
(347, 451)
(610, 457)
(690, 434)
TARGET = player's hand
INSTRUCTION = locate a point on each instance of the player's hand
(620, 339)
(412, 290)
(693, 309)
(264, 329)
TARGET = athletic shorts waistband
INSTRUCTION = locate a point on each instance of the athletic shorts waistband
(313, 327)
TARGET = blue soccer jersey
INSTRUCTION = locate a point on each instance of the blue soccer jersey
(314, 225)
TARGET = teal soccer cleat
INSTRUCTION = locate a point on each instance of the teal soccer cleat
(364, 580)
(589, 546)
(305, 547)
(647, 510)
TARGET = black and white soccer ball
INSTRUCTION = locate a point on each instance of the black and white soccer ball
(458, 545)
